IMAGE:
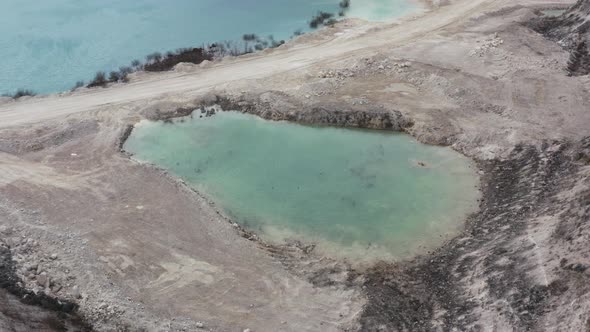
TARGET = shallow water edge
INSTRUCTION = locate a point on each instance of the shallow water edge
(51, 48)
(321, 116)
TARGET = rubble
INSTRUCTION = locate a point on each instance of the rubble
(489, 44)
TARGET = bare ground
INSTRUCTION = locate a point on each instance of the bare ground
(137, 249)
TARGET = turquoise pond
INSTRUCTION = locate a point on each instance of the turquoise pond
(48, 45)
(358, 194)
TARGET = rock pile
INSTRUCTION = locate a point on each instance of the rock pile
(487, 45)
(39, 271)
(338, 74)
(397, 65)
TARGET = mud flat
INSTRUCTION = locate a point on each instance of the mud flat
(136, 248)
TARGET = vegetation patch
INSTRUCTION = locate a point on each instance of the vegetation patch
(20, 93)
(158, 62)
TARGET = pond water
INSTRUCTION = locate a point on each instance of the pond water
(553, 12)
(358, 194)
(48, 45)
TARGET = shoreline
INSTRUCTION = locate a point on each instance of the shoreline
(122, 73)
(250, 234)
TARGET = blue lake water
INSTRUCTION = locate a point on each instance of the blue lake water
(48, 45)
(359, 194)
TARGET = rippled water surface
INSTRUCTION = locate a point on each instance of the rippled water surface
(357, 193)
(48, 45)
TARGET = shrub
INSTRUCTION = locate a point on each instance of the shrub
(78, 84)
(231, 48)
(124, 78)
(20, 93)
(249, 37)
(154, 57)
(274, 43)
(135, 63)
(344, 6)
(99, 80)
(195, 55)
(320, 19)
(125, 70)
(114, 76)
(324, 16)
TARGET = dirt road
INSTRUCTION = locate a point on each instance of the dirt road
(251, 67)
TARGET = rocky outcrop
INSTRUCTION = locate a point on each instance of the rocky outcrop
(572, 31)
(278, 107)
(25, 310)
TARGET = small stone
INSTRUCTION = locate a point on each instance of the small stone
(76, 292)
(200, 325)
(42, 279)
(247, 330)
(56, 288)
(53, 256)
